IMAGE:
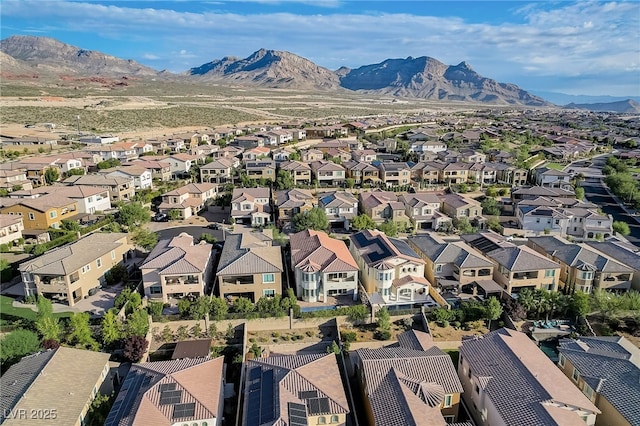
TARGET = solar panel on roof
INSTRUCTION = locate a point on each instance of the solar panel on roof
(267, 412)
(403, 247)
(255, 373)
(184, 410)
(308, 394)
(170, 397)
(318, 405)
(167, 387)
(297, 414)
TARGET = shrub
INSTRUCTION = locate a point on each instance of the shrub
(383, 335)
(134, 348)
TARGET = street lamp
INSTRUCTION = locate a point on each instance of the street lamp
(78, 119)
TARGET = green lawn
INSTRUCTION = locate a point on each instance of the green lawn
(6, 308)
(555, 166)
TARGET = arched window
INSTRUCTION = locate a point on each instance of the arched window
(322, 421)
(335, 419)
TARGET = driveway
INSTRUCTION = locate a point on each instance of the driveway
(100, 302)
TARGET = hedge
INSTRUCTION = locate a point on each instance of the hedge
(42, 248)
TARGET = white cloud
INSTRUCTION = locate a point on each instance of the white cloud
(571, 40)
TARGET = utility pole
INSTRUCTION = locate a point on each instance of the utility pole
(78, 119)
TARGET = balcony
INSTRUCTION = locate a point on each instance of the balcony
(190, 280)
(240, 280)
(525, 276)
(55, 285)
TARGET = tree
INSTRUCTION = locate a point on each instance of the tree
(315, 219)
(384, 319)
(80, 334)
(134, 348)
(390, 228)
(51, 175)
(74, 172)
(242, 305)
(358, 313)
(47, 325)
(579, 304)
(137, 323)
(621, 227)
(492, 191)
(604, 302)
(579, 193)
(154, 308)
(463, 225)
(495, 225)
(362, 221)
(284, 180)
(174, 214)
(99, 410)
(128, 295)
(218, 309)
(145, 238)
(111, 328)
(118, 273)
(18, 343)
(350, 182)
(490, 207)
(199, 308)
(133, 214)
(493, 310)
(107, 164)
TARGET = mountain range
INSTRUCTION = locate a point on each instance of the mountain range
(423, 77)
(628, 106)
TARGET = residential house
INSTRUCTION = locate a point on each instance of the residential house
(281, 136)
(169, 393)
(455, 173)
(383, 206)
(291, 202)
(66, 274)
(509, 174)
(160, 169)
(582, 268)
(95, 139)
(181, 164)
(391, 272)
(538, 220)
(261, 169)
(516, 267)
(250, 266)
(589, 223)
(423, 209)
(188, 200)
(340, 207)
(43, 212)
(218, 171)
(394, 173)
(311, 155)
(426, 172)
(230, 152)
(457, 206)
(422, 146)
(160, 145)
(122, 151)
(322, 267)
(280, 155)
(362, 173)
(90, 199)
(193, 139)
(364, 155)
(622, 251)
(256, 154)
(303, 389)
(44, 376)
(300, 172)
(120, 188)
(472, 156)
(11, 227)
(482, 173)
(552, 178)
(203, 151)
(142, 177)
(413, 383)
(176, 145)
(454, 265)
(299, 134)
(176, 267)
(508, 380)
(251, 206)
(12, 180)
(327, 132)
(328, 173)
(607, 371)
(533, 192)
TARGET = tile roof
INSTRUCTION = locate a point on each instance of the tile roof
(69, 258)
(330, 254)
(317, 375)
(47, 202)
(521, 381)
(63, 378)
(294, 198)
(195, 381)
(405, 385)
(376, 248)
(236, 259)
(179, 255)
(455, 252)
(623, 252)
(611, 367)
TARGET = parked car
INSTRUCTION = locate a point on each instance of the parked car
(161, 217)
(213, 226)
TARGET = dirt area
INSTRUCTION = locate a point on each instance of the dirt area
(603, 330)
(301, 335)
(443, 334)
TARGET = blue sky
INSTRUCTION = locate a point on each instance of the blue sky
(585, 47)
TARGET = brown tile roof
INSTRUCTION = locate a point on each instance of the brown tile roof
(330, 254)
(192, 349)
(179, 256)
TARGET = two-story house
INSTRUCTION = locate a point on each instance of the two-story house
(176, 267)
(391, 272)
(328, 173)
(516, 267)
(251, 206)
(552, 178)
(43, 212)
(582, 268)
(300, 172)
(142, 177)
(364, 155)
(250, 266)
(383, 206)
(291, 202)
(160, 170)
(607, 371)
(423, 209)
(14, 180)
(256, 154)
(394, 173)
(498, 369)
(457, 206)
(340, 207)
(322, 267)
(66, 274)
(362, 173)
(120, 188)
(261, 169)
(188, 200)
(90, 199)
(11, 227)
(218, 171)
(181, 164)
(311, 155)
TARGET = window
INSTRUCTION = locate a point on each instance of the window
(588, 391)
(449, 419)
(99, 263)
(322, 420)
(269, 293)
(550, 273)
(335, 419)
(268, 278)
(561, 360)
(86, 268)
(576, 375)
(439, 268)
(155, 289)
(587, 275)
(53, 214)
(448, 401)
(32, 216)
(113, 254)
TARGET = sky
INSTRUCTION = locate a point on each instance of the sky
(578, 48)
